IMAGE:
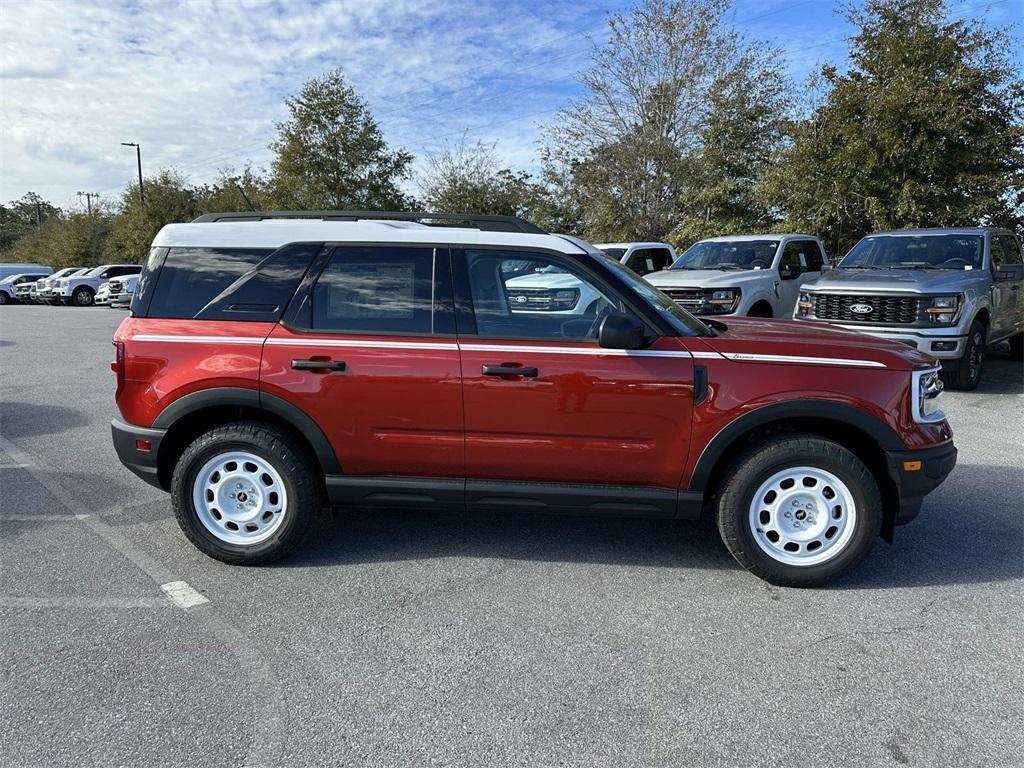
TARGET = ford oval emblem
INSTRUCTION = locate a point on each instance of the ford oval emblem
(862, 309)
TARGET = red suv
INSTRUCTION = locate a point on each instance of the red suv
(275, 362)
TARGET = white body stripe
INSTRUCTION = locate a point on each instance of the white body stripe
(528, 349)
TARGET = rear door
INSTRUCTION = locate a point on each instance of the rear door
(544, 402)
(1006, 290)
(367, 349)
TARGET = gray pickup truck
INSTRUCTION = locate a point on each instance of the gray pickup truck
(947, 292)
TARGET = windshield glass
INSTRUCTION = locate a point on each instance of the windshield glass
(920, 252)
(614, 253)
(97, 271)
(681, 320)
(728, 255)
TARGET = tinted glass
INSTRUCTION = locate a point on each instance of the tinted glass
(192, 277)
(262, 294)
(147, 281)
(916, 252)
(646, 260)
(377, 290)
(1012, 249)
(614, 253)
(534, 296)
(802, 256)
(728, 255)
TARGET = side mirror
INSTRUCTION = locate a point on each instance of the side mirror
(786, 272)
(621, 331)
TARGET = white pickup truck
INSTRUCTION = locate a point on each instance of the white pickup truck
(80, 290)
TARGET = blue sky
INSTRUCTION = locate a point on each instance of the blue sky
(200, 84)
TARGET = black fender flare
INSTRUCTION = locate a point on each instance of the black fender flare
(251, 398)
(832, 410)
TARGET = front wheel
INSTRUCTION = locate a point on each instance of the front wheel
(799, 510)
(83, 297)
(4, 298)
(245, 493)
(967, 373)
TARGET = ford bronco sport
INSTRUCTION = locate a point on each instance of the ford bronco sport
(274, 362)
(948, 292)
(752, 275)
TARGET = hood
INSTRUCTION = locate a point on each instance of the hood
(793, 338)
(706, 278)
(895, 280)
(551, 280)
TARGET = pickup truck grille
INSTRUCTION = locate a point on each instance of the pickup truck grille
(542, 299)
(114, 286)
(687, 298)
(885, 310)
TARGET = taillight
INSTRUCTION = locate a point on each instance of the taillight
(117, 366)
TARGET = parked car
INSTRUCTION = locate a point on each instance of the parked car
(121, 290)
(80, 290)
(45, 285)
(271, 363)
(14, 268)
(102, 294)
(948, 292)
(642, 258)
(753, 275)
(12, 285)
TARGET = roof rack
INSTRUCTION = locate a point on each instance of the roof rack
(485, 223)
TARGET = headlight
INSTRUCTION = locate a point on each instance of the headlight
(944, 310)
(804, 305)
(927, 388)
(721, 301)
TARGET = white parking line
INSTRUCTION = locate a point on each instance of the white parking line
(183, 594)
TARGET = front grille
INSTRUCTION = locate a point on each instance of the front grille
(687, 298)
(114, 286)
(885, 310)
(543, 299)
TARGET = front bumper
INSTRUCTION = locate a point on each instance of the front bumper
(141, 462)
(946, 343)
(120, 300)
(916, 473)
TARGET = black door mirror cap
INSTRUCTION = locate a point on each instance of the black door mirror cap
(621, 331)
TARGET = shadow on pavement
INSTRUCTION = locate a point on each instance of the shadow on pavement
(1002, 376)
(31, 420)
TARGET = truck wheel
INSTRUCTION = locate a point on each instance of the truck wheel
(244, 493)
(798, 510)
(967, 374)
(761, 309)
(83, 297)
(4, 298)
(1017, 347)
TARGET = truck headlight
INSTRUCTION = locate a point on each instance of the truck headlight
(927, 389)
(944, 310)
(721, 301)
(804, 304)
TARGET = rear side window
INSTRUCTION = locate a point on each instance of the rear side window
(365, 289)
(192, 277)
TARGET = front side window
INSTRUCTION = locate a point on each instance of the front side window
(1012, 249)
(801, 256)
(999, 254)
(646, 260)
(728, 255)
(379, 290)
(534, 296)
(915, 252)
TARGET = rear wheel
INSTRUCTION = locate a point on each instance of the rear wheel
(83, 297)
(967, 373)
(799, 510)
(245, 493)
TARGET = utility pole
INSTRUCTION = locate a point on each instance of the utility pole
(138, 160)
(88, 199)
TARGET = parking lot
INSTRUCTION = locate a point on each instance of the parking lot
(414, 638)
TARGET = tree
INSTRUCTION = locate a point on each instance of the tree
(627, 158)
(923, 130)
(332, 155)
(21, 217)
(467, 178)
(169, 199)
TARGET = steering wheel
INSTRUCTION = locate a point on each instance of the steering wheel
(760, 263)
(956, 260)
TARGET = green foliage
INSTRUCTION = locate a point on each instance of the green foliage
(331, 154)
(924, 130)
(20, 218)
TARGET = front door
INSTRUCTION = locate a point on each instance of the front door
(544, 402)
(369, 353)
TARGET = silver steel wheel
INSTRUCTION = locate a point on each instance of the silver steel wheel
(240, 498)
(803, 516)
(83, 299)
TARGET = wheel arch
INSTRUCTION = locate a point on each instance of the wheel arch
(865, 436)
(192, 414)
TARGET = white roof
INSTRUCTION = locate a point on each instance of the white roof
(273, 233)
(632, 245)
(749, 238)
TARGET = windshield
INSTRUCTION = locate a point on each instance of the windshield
(728, 255)
(681, 320)
(614, 253)
(920, 252)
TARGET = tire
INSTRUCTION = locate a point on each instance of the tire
(1017, 347)
(967, 374)
(83, 297)
(747, 531)
(4, 298)
(294, 489)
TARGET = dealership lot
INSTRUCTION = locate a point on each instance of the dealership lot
(414, 638)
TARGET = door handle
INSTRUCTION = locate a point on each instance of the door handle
(508, 370)
(315, 364)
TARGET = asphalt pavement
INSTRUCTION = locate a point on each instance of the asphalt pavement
(415, 638)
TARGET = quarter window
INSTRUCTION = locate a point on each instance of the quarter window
(192, 277)
(534, 296)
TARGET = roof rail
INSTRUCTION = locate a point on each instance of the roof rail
(486, 223)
